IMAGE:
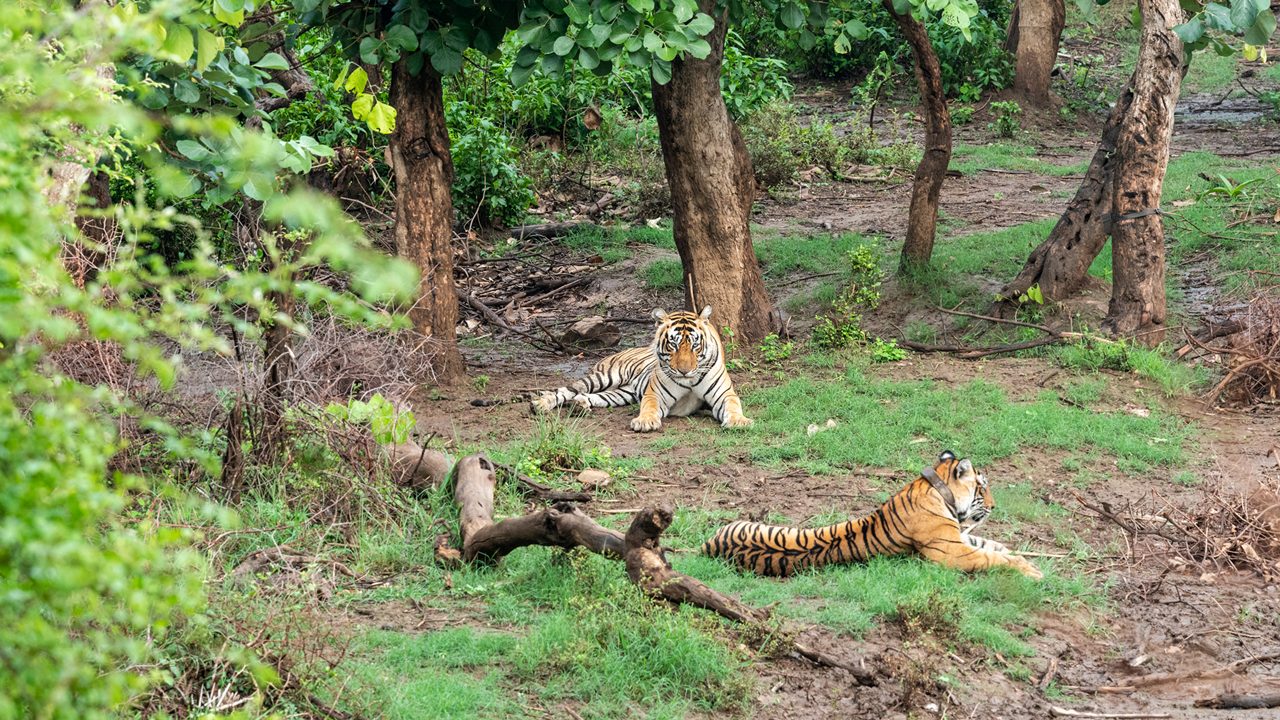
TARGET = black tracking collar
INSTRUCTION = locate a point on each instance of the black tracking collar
(931, 475)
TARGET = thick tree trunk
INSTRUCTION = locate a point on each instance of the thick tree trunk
(424, 209)
(1060, 263)
(922, 225)
(712, 190)
(1035, 30)
(1142, 154)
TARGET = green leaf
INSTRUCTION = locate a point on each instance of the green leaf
(668, 52)
(520, 74)
(186, 91)
(208, 46)
(902, 7)
(587, 58)
(661, 71)
(382, 118)
(562, 45)
(192, 150)
(652, 42)
(701, 24)
(362, 105)
(1263, 26)
(272, 61)
(178, 45)
(1244, 12)
(1190, 31)
(447, 61)
(369, 51)
(229, 12)
(1218, 17)
(699, 49)
(841, 44)
(357, 81)
(402, 37)
(685, 10)
(641, 6)
(258, 188)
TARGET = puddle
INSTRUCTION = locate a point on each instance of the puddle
(1209, 110)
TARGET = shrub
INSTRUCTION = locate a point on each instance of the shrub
(774, 350)
(1006, 124)
(843, 325)
(488, 184)
(962, 114)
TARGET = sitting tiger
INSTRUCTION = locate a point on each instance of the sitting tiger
(924, 517)
(681, 372)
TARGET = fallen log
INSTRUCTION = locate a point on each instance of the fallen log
(563, 525)
(1231, 701)
(532, 488)
(417, 467)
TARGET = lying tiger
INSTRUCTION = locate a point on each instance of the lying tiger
(924, 517)
(681, 372)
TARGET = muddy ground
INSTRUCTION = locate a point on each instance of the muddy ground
(1165, 614)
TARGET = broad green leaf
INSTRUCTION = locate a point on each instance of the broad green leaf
(641, 6)
(357, 81)
(652, 42)
(382, 118)
(362, 105)
(701, 24)
(1190, 31)
(178, 45)
(792, 16)
(1245, 12)
(272, 61)
(233, 18)
(562, 45)
(668, 52)
(186, 91)
(447, 61)
(208, 46)
(685, 10)
(1218, 17)
(258, 188)
(402, 37)
(841, 44)
(902, 7)
(661, 71)
(192, 150)
(1263, 27)
(520, 74)
(369, 51)
(587, 58)
(699, 48)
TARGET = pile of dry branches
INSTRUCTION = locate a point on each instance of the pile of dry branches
(1223, 530)
(1248, 345)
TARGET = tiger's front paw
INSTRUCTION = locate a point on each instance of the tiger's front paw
(646, 424)
(1026, 568)
(544, 403)
(737, 421)
(581, 404)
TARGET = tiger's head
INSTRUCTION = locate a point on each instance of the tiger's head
(973, 499)
(687, 345)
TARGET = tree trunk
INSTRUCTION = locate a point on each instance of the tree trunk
(1142, 154)
(712, 190)
(419, 151)
(1060, 263)
(1035, 29)
(923, 222)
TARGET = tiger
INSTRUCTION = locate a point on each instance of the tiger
(924, 517)
(681, 372)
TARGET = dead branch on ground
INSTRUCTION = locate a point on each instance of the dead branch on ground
(965, 352)
(563, 525)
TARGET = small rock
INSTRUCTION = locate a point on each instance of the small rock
(594, 479)
(812, 430)
(931, 707)
(831, 422)
(591, 332)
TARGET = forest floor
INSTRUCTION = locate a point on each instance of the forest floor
(1057, 433)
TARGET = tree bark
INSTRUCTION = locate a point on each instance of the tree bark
(1137, 305)
(1060, 263)
(712, 190)
(1035, 30)
(922, 224)
(423, 167)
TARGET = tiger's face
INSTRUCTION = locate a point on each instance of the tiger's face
(686, 343)
(973, 496)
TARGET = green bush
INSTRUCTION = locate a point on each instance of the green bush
(842, 326)
(487, 182)
(1006, 124)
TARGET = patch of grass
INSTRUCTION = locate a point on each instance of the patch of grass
(1211, 72)
(970, 268)
(612, 244)
(972, 159)
(663, 274)
(881, 424)
(1172, 377)
(1085, 390)
(588, 636)
(780, 255)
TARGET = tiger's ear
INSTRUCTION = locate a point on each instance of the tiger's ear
(706, 312)
(659, 314)
(964, 467)
(946, 455)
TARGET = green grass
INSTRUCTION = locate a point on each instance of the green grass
(900, 425)
(582, 634)
(972, 159)
(781, 255)
(663, 274)
(613, 244)
(1211, 72)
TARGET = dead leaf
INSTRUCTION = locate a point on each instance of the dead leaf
(591, 118)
